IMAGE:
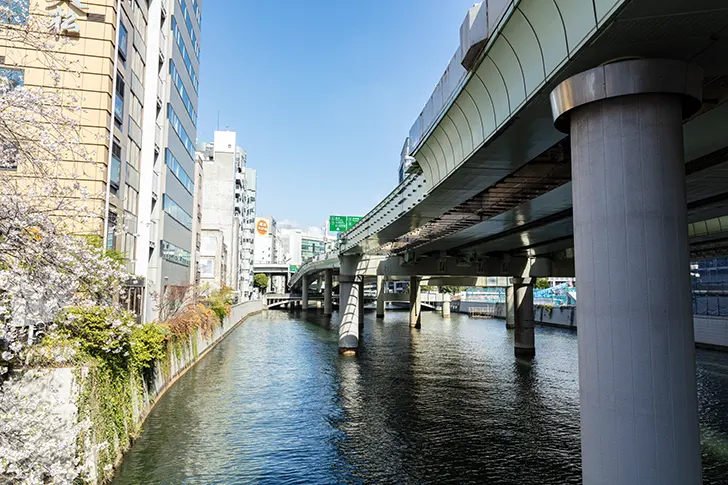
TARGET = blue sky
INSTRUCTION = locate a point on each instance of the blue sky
(322, 93)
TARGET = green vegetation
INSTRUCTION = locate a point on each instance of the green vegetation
(452, 289)
(261, 281)
(115, 357)
(220, 302)
(542, 283)
(115, 353)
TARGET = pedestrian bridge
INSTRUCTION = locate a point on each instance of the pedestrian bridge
(573, 137)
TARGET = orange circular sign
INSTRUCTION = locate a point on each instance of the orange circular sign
(262, 227)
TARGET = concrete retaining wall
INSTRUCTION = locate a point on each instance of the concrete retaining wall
(556, 316)
(60, 389)
(709, 331)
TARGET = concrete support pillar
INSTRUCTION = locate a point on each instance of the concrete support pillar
(361, 301)
(328, 291)
(415, 302)
(381, 287)
(510, 307)
(446, 305)
(638, 398)
(349, 305)
(524, 341)
(305, 281)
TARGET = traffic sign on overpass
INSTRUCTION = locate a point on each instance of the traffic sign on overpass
(342, 223)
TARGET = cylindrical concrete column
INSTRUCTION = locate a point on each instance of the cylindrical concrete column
(381, 287)
(361, 301)
(415, 302)
(510, 307)
(446, 305)
(524, 340)
(639, 420)
(349, 305)
(328, 291)
(304, 291)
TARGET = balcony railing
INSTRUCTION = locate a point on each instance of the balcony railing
(157, 138)
(155, 184)
(160, 93)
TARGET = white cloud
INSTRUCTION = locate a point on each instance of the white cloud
(307, 230)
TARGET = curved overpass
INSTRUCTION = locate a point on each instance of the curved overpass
(638, 184)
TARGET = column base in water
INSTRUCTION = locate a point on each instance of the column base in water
(349, 305)
(637, 385)
(415, 302)
(524, 340)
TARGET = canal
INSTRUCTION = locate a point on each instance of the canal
(275, 404)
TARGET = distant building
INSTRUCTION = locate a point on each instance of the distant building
(224, 205)
(312, 246)
(247, 250)
(213, 258)
(300, 246)
(404, 162)
(197, 222)
(291, 239)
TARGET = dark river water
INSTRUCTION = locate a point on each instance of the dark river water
(275, 404)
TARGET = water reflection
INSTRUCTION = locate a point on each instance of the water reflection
(274, 403)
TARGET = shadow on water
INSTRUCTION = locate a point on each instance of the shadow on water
(274, 403)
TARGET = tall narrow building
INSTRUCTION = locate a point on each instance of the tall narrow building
(248, 242)
(167, 172)
(224, 208)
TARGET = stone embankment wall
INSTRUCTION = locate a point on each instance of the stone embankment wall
(711, 332)
(63, 387)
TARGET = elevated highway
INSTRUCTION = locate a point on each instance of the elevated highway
(575, 137)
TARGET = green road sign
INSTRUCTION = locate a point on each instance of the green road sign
(342, 223)
(351, 221)
(337, 223)
(292, 268)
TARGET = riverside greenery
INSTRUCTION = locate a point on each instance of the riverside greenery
(115, 360)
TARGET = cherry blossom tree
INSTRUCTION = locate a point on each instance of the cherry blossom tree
(48, 259)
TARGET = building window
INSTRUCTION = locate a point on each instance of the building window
(123, 41)
(131, 199)
(134, 154)
(177, 33)
(177, 81)
(177, 213)
(119, 99)
(174, 254)
(135, 110)
(137, 66)
(198, 13)
(16, 77)
(139, 22)
(115, 169)
(129, 246)
(111, 231)
(8, 156)
(15, 12)
(180, 130)
(190, 28)
(176, 168)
